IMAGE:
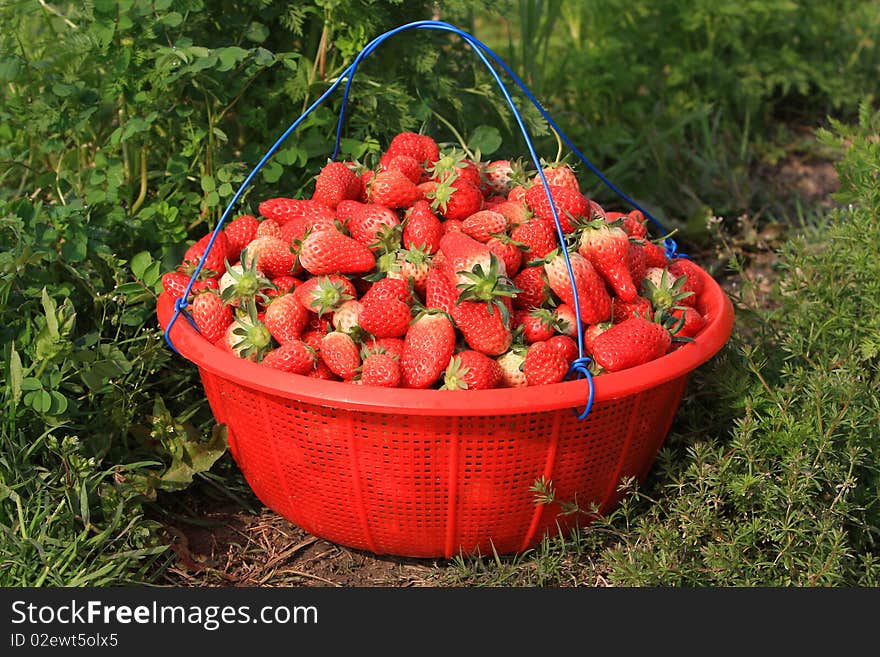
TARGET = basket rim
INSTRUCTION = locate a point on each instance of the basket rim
(498, 401)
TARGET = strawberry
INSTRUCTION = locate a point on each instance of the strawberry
(347, 316)
(239, 233)
(284, 284)
(596, 210)
(559, 175)
(367, 223)
(631, 343)
(294, 356)
(655, 255)
(341, 354)
(305, 211)
(336, 182)
(286, 318)
(380, 370)
(392, 189)
(412, 266)
(484, 330)
(593, 298)
(511, 364)
(454, 165)
(544, 364)
(694, 280)
(570, 205)
(214, 261)
(471, 370)
(484, 224)
(665, 290)
(386, 289)
(622, 310)
(243, 284)
(421, 147)
(693, 321)
(517, 193)
(538, 324)
(636, 261)
(268, 227)
(321, 371)
(450, 226)
(607, 249)
(270, 255)
(456, 198)
(406, 164)
(566, 346)
(174, 283)
(391, 346)
(421, 227)
(331, 252)
(508, 251)
(250, 338)
(537, 237)
(498, 176)
(634, 225)
(533, 289)
(211, 315)
(440, 292)
(325, 294)
(515, 212)
(490, 202)
(592, 332)
(384, 317)
(565, 319)
(463, 254)
(427, 348)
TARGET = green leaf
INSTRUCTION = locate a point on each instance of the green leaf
(15, 374)
(272, 172)
(58, 403)
(49, 308)
(30, 383)
(486, 139)
(140, 262)
(256, 32)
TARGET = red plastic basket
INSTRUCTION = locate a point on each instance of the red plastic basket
(432, 473)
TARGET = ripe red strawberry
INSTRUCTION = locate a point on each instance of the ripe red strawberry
(284, 284)
(214, 261)
(369, 223)
(484, 224)
(623, 310)
(634, 225)
(636, 262)
(607, 249)
(517, 193)
(471, 370)
(286, 318)
(538, 324)
(508, 251)
(537, 237)
(566, 319)
(440, 292)
(211, 315)
(325, 294)
(570, 205)
(693, 321)
(484, 331)
(380, 370)
(462, 254)
(422, 147)
(347, 316)
(321, 371)
(411, 266)
(456, 199)
(544, 364)
(331, 252)
(341, 354)
(592, 332)
(594, 302)
(533, 289)
(454, 165)
(406, 164)
(559, 175)
(427, 348)
(268, 227)
(175, 282)
(293, 356)
(421, 227)
(450, 226)
(386, 289)
(296, 229)
(385, 317)
(566, 346)
(336, 182)
(392, 189)
(273, 256)
(391, 346)
(655, 255)
(306, 211)
(633, 342)
(511, 364)
(239, 233)
(689, 269)
(515, 212)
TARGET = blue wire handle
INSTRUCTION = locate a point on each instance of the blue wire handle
(581, 363)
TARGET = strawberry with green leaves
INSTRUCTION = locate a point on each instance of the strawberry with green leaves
(211, 315)
(286, 318)
(471, 370)
(558, 174)
(633, 342)
(427, 347)
(341, 354)
(250, 337)
(325, 294)
(456, 198)
(594, 301)
(412, 266)
(606, 246)
(421, 227)
(336, 182)
(537, 325)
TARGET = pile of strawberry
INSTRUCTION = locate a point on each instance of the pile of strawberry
(435, 270)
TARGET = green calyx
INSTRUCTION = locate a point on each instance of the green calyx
(667, 295)
(453, 376)
(253, 338)
(248, 284)
(327, 296)
(488, 287)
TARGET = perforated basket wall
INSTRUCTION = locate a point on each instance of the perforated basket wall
(432, 473)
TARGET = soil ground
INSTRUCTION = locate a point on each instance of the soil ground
(234, 547)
